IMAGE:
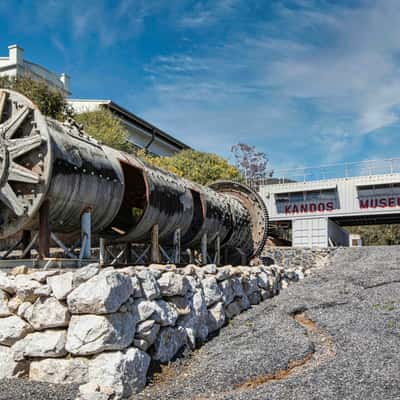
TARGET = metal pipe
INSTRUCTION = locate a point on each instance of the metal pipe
(45, 162)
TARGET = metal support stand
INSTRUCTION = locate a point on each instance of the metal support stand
(128, 253)
(102, 251)
(85, 234)
(217, 257)
(26, 238)
(204, 255)
(44, 230)
(177, 246)
(243, 257)
(155, 248)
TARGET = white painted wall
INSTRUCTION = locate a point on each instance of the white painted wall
(347, 202)
(15, 65)
(137, 136)
(318, 232)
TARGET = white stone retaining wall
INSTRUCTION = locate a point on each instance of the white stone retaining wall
(100, 327)
(298, 257)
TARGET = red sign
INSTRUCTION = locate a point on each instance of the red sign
(382, 202)
(309, 207)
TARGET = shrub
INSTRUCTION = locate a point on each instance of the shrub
(105, 127)
(51, 102)
(196, 166)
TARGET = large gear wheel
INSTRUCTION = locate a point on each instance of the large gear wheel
(24, 160)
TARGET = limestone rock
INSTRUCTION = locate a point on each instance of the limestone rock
(165, 314)
(237, 287)
(232, 310)
(149, 284)
(137, 288)
(7, 283)
(189, 269)
(250, 284)
(41, 276)
(263, 281)
(210, 269)
(181, 304)
(161, 268)
(266, 294)
(14, 304)
(43, 291)
(124, 372)
(193, 283)
(22, 309)
(19, 270)
(169, 342)
(92, 391)
(212, 292)
(143, 309)
(47, 313)
(4, 310)
(141, 344)
(243, 302)
(12, 329)
(172, 284)
(216, 317)
(254, 298)
(25, 288)
(9, 368)
(92, 334)
(223, 273)
(63, 371)
(228, 293)
(195, 323)
(61, 285)
(84, 274)
(47, 344)
(102, 294)
(148, 331)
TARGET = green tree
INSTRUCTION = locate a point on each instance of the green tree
(105, 127)
(196, 166)
(377, 235)
(51, 102)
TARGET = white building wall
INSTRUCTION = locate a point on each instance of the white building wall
(348, 202)
(137, 136)
(310, 232)
(15, 65)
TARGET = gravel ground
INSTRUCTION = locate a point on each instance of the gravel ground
(335, 335)
(351, 352)
(16, 389)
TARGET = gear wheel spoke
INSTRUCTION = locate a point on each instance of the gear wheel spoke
(19, 147)
(3, 98)
(10, 199)
(19, 173)
(12, 126)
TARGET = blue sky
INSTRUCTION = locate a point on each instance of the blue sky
(307, 81)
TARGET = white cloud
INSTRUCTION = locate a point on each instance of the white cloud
(312, 79)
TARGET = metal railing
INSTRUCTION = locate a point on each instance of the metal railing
(330, 171)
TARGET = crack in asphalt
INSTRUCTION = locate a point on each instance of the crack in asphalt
(323, 351)
(380, 284)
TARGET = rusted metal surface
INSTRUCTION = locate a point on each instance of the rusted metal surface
(45, 162)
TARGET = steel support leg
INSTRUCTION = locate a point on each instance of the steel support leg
(204, 255)
(86, 234)
(26, 239)
(217, 250)
(44, 230)
(177, 246)
(155, 247)
(102, 251)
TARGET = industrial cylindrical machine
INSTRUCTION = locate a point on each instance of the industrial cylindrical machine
(43, 161)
